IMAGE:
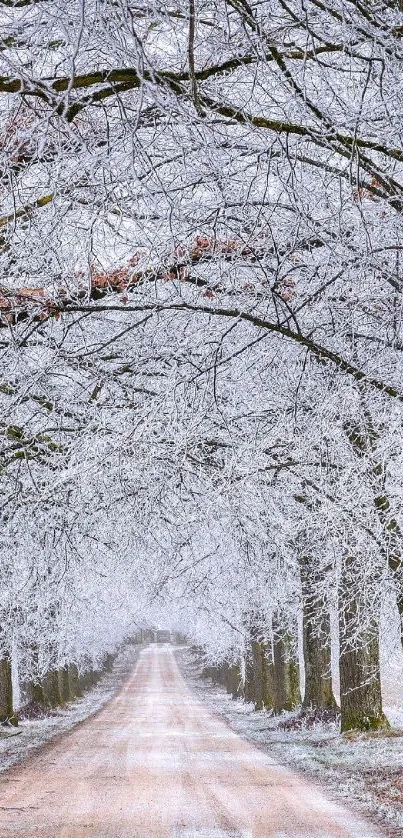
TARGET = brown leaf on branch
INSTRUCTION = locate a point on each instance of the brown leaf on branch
(31, 293)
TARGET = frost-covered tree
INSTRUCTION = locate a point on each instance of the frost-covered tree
(201, 345)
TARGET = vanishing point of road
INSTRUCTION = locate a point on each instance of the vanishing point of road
(156, 763)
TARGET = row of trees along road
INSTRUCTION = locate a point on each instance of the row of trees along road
(201, 342)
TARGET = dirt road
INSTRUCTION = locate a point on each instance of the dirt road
(155, 763)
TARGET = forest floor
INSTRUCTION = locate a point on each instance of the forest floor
(19, 743)
(156, 762)
(362, 770)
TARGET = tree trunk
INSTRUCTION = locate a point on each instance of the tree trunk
(65, 684)
(223, 674)
(360, 683)
(52, 688)
(285, 670)
(37, 691)
(108, 662)
(258, 684)
(6, 692)
(46, 691)
(252, 667)
(86, 680)
(234, 681)
(74, 680)
(316, 640)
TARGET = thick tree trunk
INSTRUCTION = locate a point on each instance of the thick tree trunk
(316, 640)
(217, 673)
(74, 681)
(86, 680)
(286, 669)
(46, 691)
(223, 674)
(51, 689)
(37, 691)
(258, 683)
(65, 685)
(89, 677)
(6, 692)
(234, 680)
(51, 685)
(252, 665)
(108, 662)
(360, 683)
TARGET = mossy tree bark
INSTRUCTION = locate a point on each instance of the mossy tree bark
(108, 662)
(286, 667)
(218, 674)
(316, 639)
(62, 685)
(65, 684)
(234, 680)
(37, 691)
(74, 680)
(360, 682)
(258, 683)
(227, 675)
(51, 685)
(252, 687)
(6, 691)
(46, 691)
(89, 676)
(86, 680)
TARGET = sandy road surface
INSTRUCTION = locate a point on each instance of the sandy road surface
(156, 763)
